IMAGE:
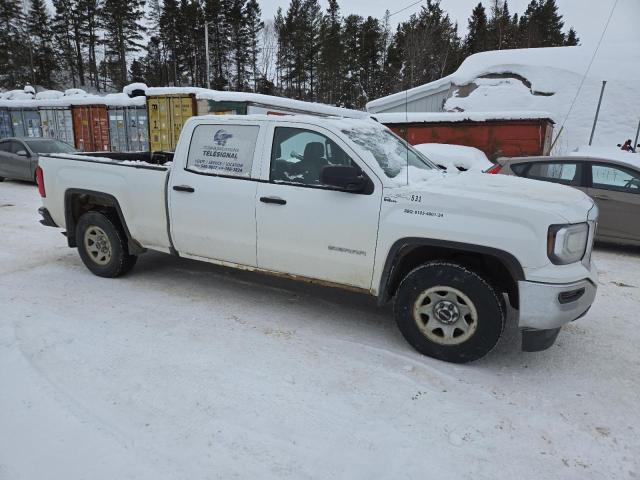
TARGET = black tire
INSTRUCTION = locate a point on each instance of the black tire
(119, 261)
(1, 179)
(483, 320)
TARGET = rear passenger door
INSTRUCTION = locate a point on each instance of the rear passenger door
(616, 190)
(212, 193)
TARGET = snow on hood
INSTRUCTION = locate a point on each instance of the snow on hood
(455, 158)
(569, 203)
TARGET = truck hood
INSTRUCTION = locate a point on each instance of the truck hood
(470, 188)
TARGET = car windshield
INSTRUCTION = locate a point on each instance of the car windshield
(391, 152)
(50, 146)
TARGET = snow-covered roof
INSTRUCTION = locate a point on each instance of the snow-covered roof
(76, 96)
(281, 102)
(432, 117)
(546, 79)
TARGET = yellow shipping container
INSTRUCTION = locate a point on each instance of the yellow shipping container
(167, 114)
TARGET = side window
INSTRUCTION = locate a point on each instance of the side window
(223, 150)
(520, 169)
(5, 146)
(566, 173)
(608, 177)
(298, 155)
(17, 147)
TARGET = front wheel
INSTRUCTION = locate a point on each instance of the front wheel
(103, 245)
(448, 312)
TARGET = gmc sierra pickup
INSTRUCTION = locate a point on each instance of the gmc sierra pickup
(344, 203)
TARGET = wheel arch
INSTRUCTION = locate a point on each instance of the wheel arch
(78, 201)
(499, 267)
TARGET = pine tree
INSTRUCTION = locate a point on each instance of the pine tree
(239, 43)
(254, 26)
(121, 23)
(331, 55)
(136, 71)
(477, 39)
(13, 61)
(216, 14)
(572, 38)
(38, 25)
(169, 36)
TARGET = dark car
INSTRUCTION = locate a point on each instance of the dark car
(613, 184)
(19, 156)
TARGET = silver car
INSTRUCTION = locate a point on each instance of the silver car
(19, 156)
(614, 185)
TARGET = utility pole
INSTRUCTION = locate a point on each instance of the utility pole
(206, 50)
(595, 120)
(635, 144)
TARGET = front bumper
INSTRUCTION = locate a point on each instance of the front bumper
(547, 306)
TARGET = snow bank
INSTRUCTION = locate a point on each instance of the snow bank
(49, 95)
(455, 157)
(132, 87)
(608, 153)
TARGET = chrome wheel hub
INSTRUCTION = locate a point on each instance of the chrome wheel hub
(445, 315)
(97, 245)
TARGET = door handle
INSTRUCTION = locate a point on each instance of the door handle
(274, 200)
(601, 197)
(184, 188)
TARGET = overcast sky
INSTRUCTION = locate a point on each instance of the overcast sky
(586, 16)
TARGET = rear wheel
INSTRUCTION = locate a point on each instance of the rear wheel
(1, 179)
(448, 312)
(102, 245)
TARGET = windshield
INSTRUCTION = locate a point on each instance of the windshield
(391, 152)
(50, 146)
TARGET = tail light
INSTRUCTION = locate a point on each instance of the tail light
(40, 182)
(495, 169)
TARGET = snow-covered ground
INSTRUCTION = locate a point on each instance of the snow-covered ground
(184, 370)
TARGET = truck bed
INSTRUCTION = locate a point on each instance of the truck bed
(138, 187)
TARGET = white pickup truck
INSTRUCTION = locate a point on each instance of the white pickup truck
(343, 203)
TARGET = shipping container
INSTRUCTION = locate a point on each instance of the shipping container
(91, 127)
(167, 114)
(57, 123)
(25, 122)
(128, 129)
(496, 138)
(6, 130)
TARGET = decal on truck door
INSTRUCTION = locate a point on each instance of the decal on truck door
(216, 150)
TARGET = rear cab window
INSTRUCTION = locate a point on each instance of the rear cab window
(223, 150)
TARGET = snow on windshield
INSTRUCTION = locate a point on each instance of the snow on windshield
(392, 153)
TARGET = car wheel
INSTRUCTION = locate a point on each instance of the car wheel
(102, 245)
(448, 312)
(1, 179)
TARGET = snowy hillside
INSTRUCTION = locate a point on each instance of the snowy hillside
(548, 79)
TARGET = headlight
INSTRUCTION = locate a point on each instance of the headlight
(567, 243)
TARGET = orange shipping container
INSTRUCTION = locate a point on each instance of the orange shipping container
(91, 127)
(496, 138)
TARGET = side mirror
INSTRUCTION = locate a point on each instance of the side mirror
(22, 153)
(344, 177)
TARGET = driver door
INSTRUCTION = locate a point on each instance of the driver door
(306, 228)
